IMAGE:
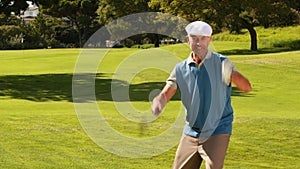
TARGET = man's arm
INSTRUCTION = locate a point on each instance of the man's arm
(240, 81)
(160, 101)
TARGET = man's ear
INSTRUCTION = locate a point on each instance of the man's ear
(187, 39)
(210, 38)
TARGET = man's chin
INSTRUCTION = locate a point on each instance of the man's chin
(198, 53)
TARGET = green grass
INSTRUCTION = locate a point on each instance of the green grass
(269, 40)
(39, 127)
(266, 129)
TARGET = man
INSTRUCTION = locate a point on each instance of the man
(204, 80)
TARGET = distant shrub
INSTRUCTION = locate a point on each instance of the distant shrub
(11, 37)
(143, 46)
(118, 46)
(288, 44)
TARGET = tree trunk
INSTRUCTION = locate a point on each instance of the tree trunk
(80, 37)
(253, 34)
(156, 43)
(79, 33)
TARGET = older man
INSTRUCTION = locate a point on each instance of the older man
(205, 81)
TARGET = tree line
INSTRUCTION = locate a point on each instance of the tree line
(69, 23)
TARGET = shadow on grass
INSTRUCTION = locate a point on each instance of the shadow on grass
(58, 87)
(236, 92)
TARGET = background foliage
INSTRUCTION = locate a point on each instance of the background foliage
(65, 23)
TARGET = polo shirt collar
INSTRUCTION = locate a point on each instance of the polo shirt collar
(190, 58)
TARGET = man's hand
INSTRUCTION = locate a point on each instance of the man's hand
(158, 104)
(160, 101)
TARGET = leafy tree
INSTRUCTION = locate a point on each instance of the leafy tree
(286, 13)
(41, 31)
(10, 20)
(7, 7)
(81, 13)
(234, 14)
(10, 37)
(110, 10)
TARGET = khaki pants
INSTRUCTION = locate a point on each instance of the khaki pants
(191, 152)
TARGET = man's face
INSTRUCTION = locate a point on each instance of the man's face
(199, 44)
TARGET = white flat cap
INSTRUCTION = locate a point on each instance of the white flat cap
(198, 28)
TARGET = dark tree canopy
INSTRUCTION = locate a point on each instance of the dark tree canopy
(81, 13)
(8, 6)
(234, 14)
(84, 17)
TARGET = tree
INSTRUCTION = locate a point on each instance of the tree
(234, 14)
(10, 37)
(81, 13)
(40, 33)
(110, 10)
(286, 13)
(7, 7)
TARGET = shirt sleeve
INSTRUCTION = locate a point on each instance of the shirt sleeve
(171, 81)
(227, 69)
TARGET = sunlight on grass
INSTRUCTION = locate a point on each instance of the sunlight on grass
(40, 128)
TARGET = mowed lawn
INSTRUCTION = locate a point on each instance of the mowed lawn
(39, 127)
